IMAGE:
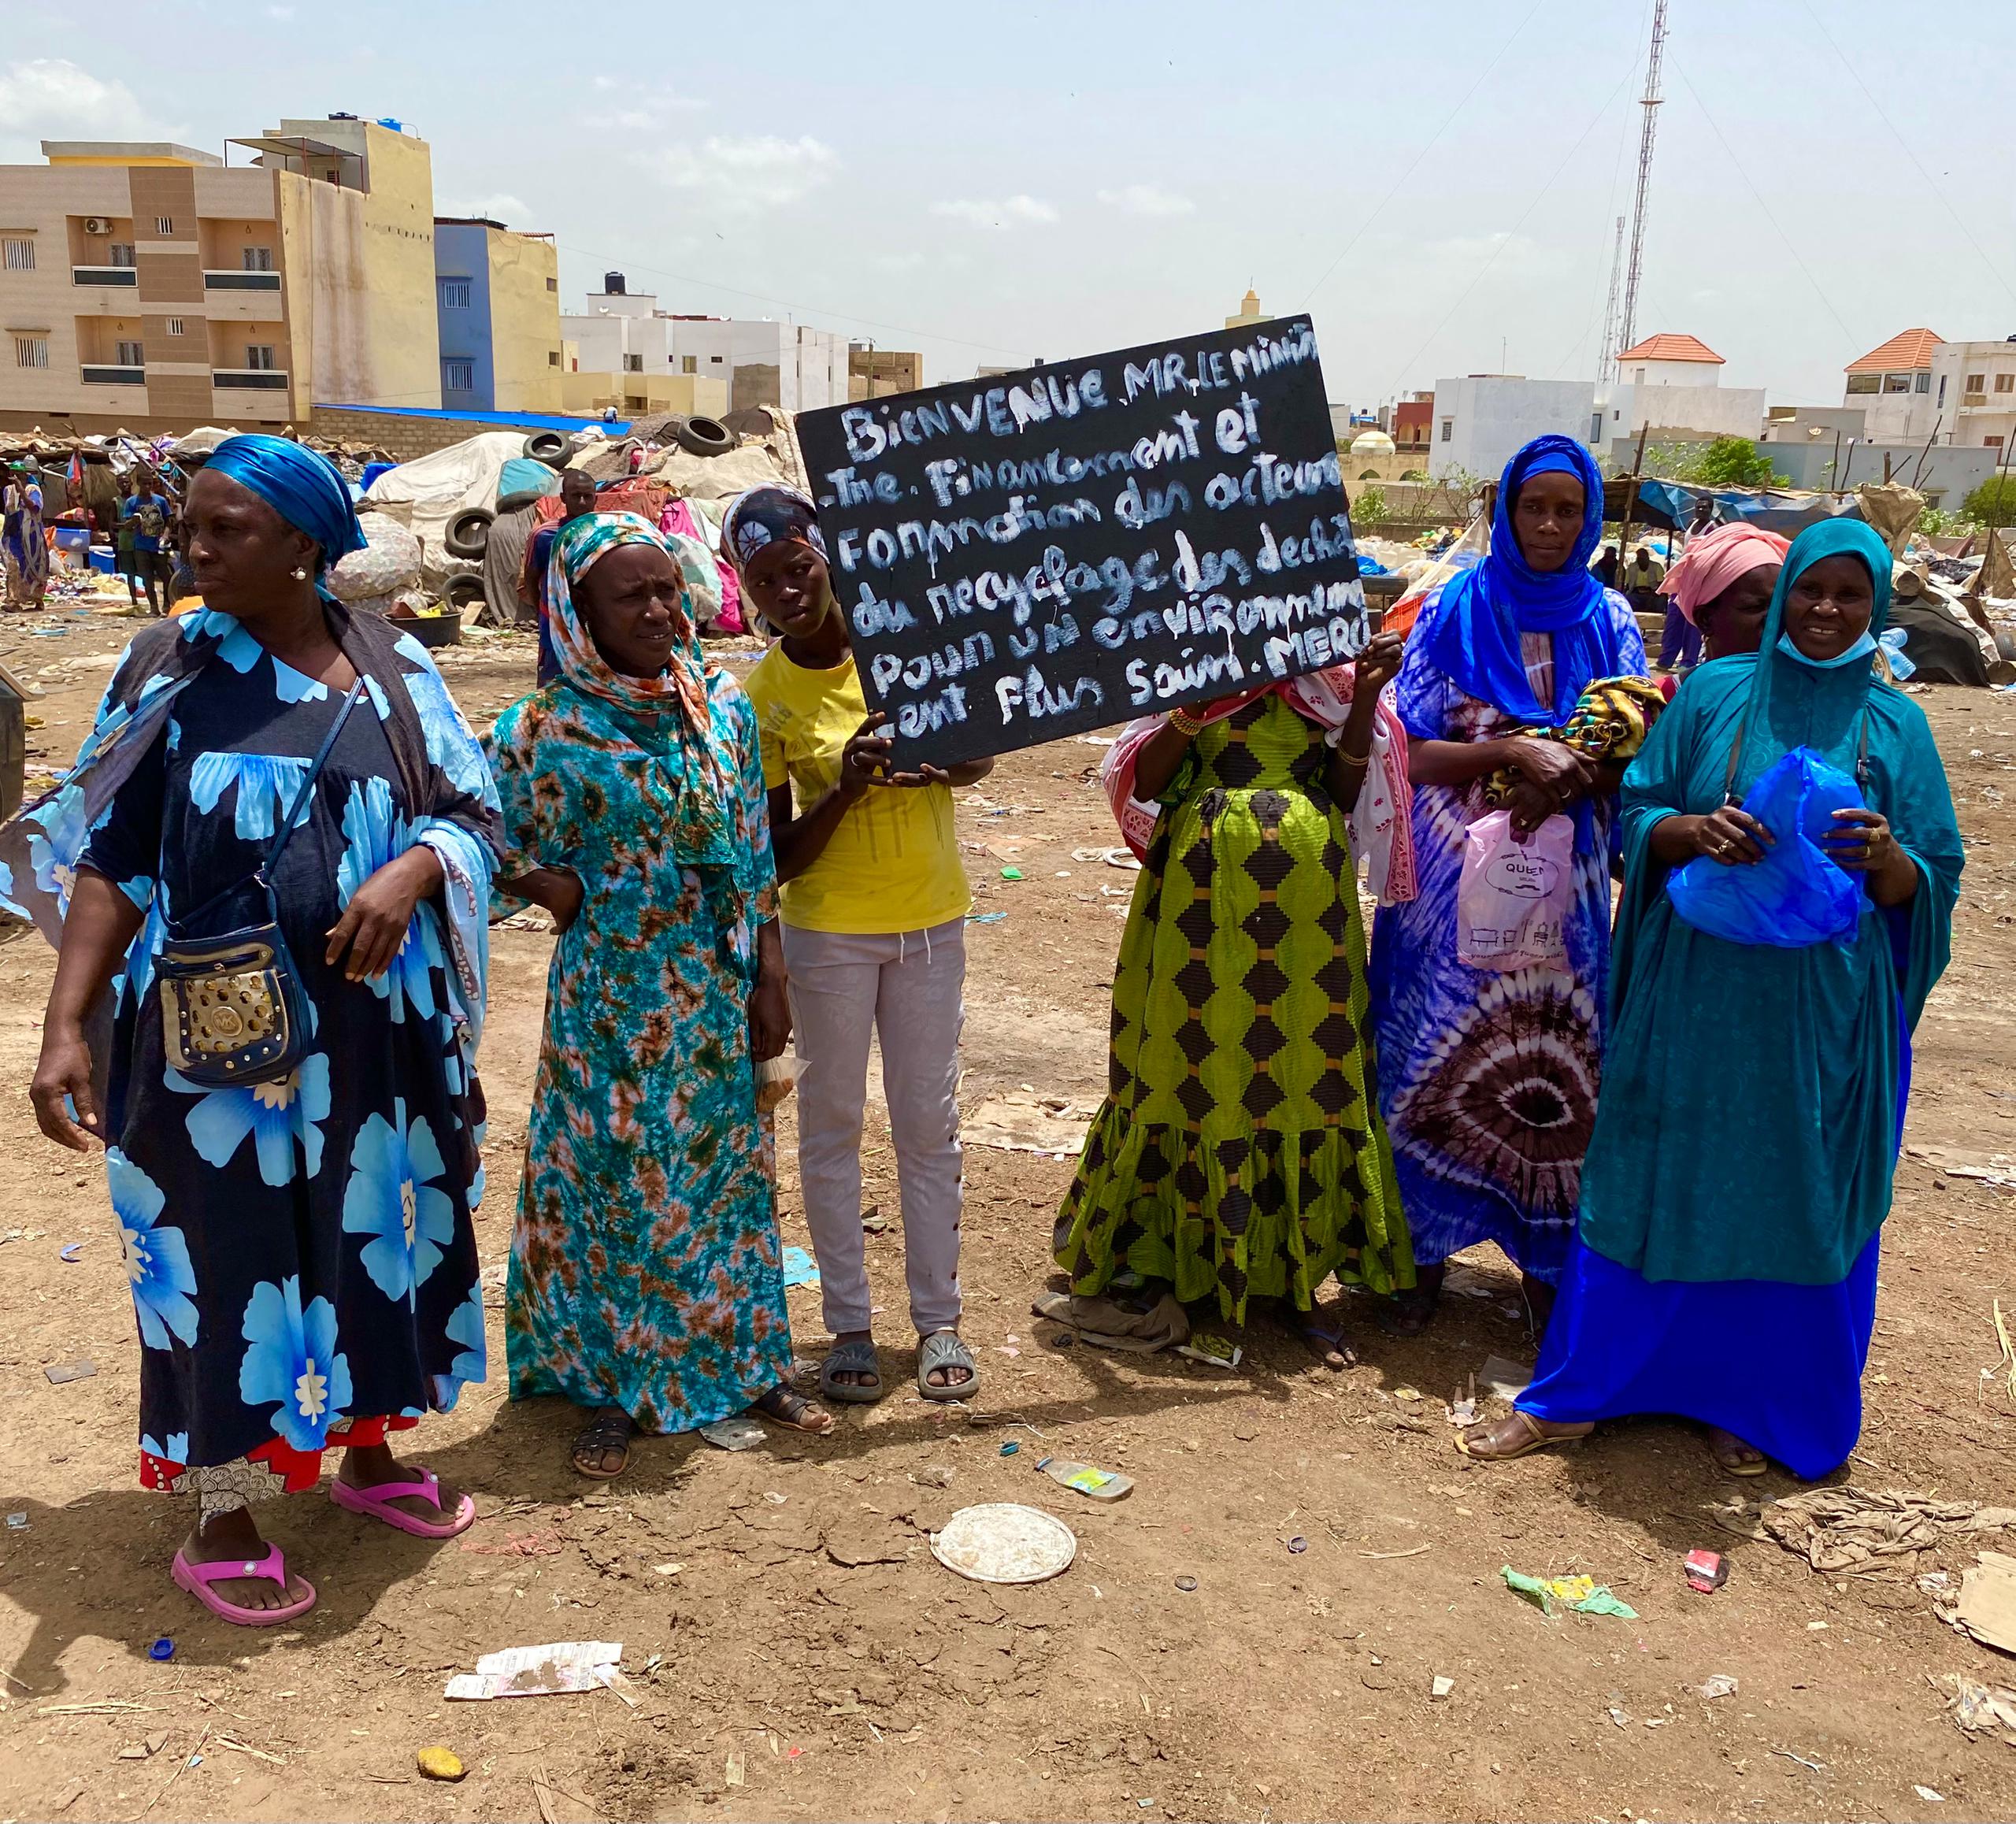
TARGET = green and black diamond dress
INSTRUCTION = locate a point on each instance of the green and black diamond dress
(1240, 1149)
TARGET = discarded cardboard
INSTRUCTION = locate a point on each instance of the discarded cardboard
(558, 1667)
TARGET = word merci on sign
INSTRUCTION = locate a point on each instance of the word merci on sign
(1029, 555)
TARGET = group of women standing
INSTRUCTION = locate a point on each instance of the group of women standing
(276, 856)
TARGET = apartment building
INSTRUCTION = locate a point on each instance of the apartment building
(496, 296)
(875, 373)
(153, 286)
(1973, 393)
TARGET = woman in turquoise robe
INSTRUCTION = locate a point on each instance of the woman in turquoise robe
(1754, 1096)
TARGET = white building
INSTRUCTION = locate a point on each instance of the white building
(1480, 420)
(1893, 386)
(764, 362)
(1973, 393)
(1673, 382)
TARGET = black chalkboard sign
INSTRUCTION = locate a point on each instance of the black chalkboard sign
(1028, 555)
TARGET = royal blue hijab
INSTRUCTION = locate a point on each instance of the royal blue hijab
(1473, 638)
(304, 489)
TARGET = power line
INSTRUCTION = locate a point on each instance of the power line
(1310, 296)
(1959, 221)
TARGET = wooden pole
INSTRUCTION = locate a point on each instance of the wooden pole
(1834, 467)
(1925, 455)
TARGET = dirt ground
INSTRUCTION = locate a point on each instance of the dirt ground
(793, 1649)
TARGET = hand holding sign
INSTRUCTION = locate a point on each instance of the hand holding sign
(865, 761)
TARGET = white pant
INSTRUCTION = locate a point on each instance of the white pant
(906, 988)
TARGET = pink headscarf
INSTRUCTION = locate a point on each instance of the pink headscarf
(1710, 563)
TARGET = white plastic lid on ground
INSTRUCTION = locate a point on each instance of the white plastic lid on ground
(1001, 1542)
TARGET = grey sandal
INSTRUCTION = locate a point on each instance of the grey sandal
(857, 1358)
(943, 1349)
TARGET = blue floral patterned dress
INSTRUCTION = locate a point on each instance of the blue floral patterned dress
(646, 1272)
(302, 1253)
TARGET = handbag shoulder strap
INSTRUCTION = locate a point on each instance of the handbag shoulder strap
(308, 779)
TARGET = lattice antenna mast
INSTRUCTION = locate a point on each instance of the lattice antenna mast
(1627, 330)
(1608, 351)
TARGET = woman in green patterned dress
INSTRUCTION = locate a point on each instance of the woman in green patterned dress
(1239, 1152)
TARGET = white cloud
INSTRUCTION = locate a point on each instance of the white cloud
(51, 98)
(754, 171)
(646, 110)
(1148, 199)
(1009, 212)
(279, 12)
(502, 207)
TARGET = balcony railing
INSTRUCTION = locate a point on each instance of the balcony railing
(231, 279)
(112, 375)
(104, 275)
(250, 379)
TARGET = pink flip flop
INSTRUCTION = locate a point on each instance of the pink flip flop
(197, 1578)
(372, 1504)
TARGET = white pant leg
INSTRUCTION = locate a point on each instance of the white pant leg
(918, 1013)
(833, 983)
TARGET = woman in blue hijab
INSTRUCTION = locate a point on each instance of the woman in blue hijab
(1487, 1080)
(1754, 1095)
(301, 1249)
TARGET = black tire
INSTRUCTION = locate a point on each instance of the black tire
(468, 531)
(464, 592)
(523, 498)
(551, 447)
(706, 437)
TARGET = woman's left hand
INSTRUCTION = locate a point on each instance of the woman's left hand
(1862, 842)
(769, 1018)
(374, 923)
(1378, 663)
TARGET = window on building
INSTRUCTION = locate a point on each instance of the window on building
(689, 364)
(30, 351)
(1974, 383)
(2005, 382)
(256, 259)
(1864, 382)
(121, 253)
(164, 226)
(459, 376)
(132, 354)
(635, 402)
(1639, 376)
(259, 357)
(633, 364)
(1896, 382)
(175, 327)
(1992, 443)
(715, 359)
(552, 357)
(553, 284)
(1942, 392)
(1923, 384)
(1448, 429)
(17, 254)
(454, 294)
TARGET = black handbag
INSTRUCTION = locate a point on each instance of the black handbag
(232, 1009)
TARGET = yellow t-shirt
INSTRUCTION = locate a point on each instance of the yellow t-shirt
(893, 863)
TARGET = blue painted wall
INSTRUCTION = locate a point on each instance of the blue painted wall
(463, 251)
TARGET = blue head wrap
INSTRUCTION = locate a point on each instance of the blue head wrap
(304, 489)
(1474, 636)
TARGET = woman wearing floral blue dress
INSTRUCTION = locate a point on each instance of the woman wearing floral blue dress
(301, 1252)
(646, 1279)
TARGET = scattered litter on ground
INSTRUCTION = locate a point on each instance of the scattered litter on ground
(800, 1268)
(1508, 1380)
(738, 1434)
(1186, 1584)
(1930, 1797)
(985, 917)
(1010, 1448)
(439, 1763)
(1851, 1528)
(1718, 1685)
(145, 1748)
(1213, 1352)
(18, 1522)
(1982, 1709)
(1440, 1687)
(1463, 1402)
(1130, 1322)
(1582, 1594)
(873, 1221)
(58, 1372)
(1706, 1571)
(1618, 1715)
(74, 1253)
(163, 1648)
(1012, 874)
(1815, 1767)
(933, 1476)
(1088, 1479)
(1021, 1122)
(1002, 1542)
(558, 1667)
(1298, 1545)
(1987, 1607)
(2007, 1365)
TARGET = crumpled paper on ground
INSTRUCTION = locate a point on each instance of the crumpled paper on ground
(1867, 1533)
(1982, 1709)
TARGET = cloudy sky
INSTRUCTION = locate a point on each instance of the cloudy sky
(1439, 184)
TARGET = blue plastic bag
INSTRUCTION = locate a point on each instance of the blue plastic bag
(1796, 895)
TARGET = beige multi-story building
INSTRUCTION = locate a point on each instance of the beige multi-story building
(151, 287)
(875, 373)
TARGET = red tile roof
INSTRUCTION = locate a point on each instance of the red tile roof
(1666, 347)
(1902, 353)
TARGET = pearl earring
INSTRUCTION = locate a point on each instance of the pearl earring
(298, 574)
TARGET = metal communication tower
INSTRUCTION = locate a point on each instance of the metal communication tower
(1627, 331)
(1606, 350)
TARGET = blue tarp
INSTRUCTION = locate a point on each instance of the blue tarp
(503, 421)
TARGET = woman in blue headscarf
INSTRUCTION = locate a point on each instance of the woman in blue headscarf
(1487, 1080)
(1754, 1095)
(302, 1250)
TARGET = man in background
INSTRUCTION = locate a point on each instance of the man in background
(577, 496)
(146, 510)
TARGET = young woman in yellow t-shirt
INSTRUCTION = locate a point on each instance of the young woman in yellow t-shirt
(874, 901)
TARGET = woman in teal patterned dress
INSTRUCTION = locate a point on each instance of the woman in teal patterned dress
(646, 1278)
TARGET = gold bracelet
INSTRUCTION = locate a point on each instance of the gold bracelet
(1351, 759)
